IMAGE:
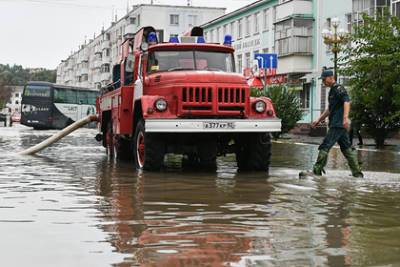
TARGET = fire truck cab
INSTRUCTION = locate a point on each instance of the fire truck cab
(183, 97)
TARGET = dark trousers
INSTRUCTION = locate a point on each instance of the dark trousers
(336, 135)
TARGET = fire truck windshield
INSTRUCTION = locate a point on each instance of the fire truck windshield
(179, 60)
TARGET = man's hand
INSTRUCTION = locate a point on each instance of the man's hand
(346, 123)
(314, 124)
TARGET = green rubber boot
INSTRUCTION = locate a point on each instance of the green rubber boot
(322, 160)
(353, 162)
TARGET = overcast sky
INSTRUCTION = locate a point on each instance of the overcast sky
(40, 33)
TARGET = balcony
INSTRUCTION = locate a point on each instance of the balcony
(97, 64)
(105, 44)
(130, 31)
(106, 60)
(295, 7)
(105, 76)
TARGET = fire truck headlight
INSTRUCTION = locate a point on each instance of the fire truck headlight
(161, 105)
(260, 106)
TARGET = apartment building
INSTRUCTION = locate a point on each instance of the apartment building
(92, 64)
(14, 103)
(285, 27)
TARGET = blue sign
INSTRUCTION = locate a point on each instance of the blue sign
(267, 61)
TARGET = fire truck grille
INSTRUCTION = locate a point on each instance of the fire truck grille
(231, 99)
(197, 98)
(231, 96)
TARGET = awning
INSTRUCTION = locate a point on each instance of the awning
(255, 82)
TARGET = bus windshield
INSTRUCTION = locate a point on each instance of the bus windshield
(161, 61)
(37, 91)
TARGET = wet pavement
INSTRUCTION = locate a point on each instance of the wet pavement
(71, 206)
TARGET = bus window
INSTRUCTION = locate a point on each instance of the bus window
(83, 97)
(37, 91)
(62, 95)
(92, 98)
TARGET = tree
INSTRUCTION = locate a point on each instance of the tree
(287, 105)
(17, 75)
(372, 62)
(5, 94)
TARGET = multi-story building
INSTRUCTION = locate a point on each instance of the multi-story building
(14, 103)
(91, 66)
(285, 27)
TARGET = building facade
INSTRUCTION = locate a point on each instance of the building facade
(292, 29)
(91, 66)
(14, 103)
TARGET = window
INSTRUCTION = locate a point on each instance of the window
(212, 36)
(37, 91)
(240, 63)
(17, 95)
(105, 68)
(174, 19)
(305, 96)
(132, 20)
(218, 34)
(348, 22)
(232, 29)
(247, 62)
(192, 20)
(396, 8)
(247, 25)
(265, 50)
(86, 97)
(190, 60)
(138, 20)
(225, 30)
(62, 95)
(293, 36)
(240, 29)
(16, 102)
(265, 20)
(256, 23)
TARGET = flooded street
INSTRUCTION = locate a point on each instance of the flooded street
(71, 206)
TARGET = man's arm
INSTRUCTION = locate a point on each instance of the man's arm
(346, 111)
(320, 119)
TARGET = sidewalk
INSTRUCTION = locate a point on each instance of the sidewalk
(305, 139)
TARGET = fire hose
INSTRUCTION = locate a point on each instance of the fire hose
(61, 134)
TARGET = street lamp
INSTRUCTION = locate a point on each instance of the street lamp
(335, 37)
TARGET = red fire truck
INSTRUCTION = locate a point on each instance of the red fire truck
(183, 97)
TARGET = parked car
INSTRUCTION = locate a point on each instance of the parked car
(16, 117)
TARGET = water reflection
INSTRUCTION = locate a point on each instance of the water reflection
(107, 213)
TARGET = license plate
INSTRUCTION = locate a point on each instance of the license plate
(219, 125)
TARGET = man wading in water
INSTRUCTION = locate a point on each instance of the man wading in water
(338, 112)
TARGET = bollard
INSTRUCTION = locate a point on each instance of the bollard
(61, 134)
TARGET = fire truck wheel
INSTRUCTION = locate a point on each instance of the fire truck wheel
(148, 150)
(253, 152)
(122, 148)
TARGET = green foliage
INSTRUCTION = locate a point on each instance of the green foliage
(17, 75)
(373, 64)
(287, 105)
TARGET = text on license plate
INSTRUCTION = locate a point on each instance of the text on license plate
(218, 125)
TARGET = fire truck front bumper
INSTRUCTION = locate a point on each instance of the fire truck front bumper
(212, 126)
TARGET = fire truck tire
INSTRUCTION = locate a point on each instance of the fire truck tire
(122, 148)
(253, 152)
(148, 150)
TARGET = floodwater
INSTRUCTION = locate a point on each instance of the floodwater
(71, 206)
